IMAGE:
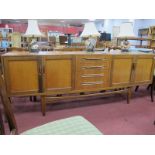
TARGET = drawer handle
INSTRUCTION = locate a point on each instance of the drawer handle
(92, 83)
(93, 59)
(93, 75)
(92, 67)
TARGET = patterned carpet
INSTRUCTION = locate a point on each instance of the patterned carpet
(111, 115)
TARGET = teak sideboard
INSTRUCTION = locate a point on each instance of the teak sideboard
(56, 73)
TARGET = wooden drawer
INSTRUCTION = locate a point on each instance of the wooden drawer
(93, 57)
(88, 78)
(92, 72)
(94, 61)
(84, 71)
(93, 81)
(88, 62)
(93, 85)
(92, 64)
(97, 77)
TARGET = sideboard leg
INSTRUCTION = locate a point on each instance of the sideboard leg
(82, 93)
(128, 95)
(136, 88)
(43, 105)
(35, 98)
(31, 98)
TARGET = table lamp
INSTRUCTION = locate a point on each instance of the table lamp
(126, 31)
(33, 32)
(90, 32)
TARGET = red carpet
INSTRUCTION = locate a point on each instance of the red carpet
(111, 115)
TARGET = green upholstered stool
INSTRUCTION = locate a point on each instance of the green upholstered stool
(76, 125)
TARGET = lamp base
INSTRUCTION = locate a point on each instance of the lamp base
(125, 50)
(90, 49)
(34, 50)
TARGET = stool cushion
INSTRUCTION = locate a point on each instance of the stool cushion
(76, 125)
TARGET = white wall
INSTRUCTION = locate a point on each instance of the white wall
(100, 25)
(107, 25)
(147, 23)
(143, 23)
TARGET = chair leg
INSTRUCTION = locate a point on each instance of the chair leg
(148, 87)
(2, 131)
(152, 88)
(33, 98)
(82, 93)
(136, 88)
(59, 95)
(128, 95)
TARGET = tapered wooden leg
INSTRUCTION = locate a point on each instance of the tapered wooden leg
(82, 93)
(31, 98)
(102, 91)
(136, 88)
(35, 98)
(128, 95)
(59, 95)
(43, 105)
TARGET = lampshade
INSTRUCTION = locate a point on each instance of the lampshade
(33, 29)
(90, 30)
(126, 30)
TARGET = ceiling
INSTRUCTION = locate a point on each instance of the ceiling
(67, 22)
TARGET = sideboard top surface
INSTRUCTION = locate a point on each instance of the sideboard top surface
(59, 53)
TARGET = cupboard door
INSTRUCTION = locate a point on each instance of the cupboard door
(143, 70)
(121, 70)
(58, 73)
(21, 75)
